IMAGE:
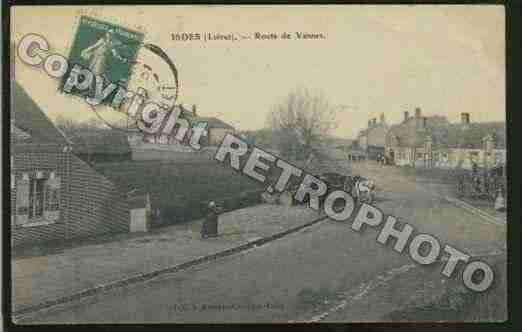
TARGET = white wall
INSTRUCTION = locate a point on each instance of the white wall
(138, 220)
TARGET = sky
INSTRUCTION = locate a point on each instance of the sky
(374, 59)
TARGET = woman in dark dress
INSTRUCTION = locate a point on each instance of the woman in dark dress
(210, 225)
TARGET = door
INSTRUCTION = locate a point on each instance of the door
(392, 157)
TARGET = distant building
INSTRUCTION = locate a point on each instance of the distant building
(215, 132)
(421, 141)
(54, 194)
(372, 140)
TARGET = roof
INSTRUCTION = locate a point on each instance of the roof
(214, 123)
(408, 134)
(31, 119)
(106, 141)
(445, 134)
(471, 135)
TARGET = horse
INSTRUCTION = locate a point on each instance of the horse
(360, 188)
(364, 190)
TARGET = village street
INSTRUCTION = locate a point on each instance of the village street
(282, 280)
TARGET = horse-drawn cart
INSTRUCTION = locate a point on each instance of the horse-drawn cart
(361, 189)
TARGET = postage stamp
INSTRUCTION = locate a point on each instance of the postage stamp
(105, 49)
(320, 164)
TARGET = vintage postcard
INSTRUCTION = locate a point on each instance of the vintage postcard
(257, 164)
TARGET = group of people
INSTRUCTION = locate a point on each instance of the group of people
(381, 159)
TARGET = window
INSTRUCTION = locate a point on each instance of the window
(36, 198)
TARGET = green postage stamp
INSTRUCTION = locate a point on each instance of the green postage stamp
(105, 49)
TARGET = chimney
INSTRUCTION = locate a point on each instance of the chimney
(464, 118)
(194, 110)
(417, 112)
(406, 116)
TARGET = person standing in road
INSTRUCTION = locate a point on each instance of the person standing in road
(210, 225)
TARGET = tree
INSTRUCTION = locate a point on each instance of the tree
(300, 121)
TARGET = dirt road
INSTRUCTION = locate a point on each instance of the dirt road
(305, 274)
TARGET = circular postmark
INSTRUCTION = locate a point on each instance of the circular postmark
(153, 71)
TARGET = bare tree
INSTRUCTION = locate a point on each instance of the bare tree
(300, 121)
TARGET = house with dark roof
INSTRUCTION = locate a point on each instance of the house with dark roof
(421, 141)
(55, 195)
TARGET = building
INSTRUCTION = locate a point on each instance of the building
(372, 140)
(55, 195)
(215, 132)
(217, 129)
(405, 141)
(421, 141)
